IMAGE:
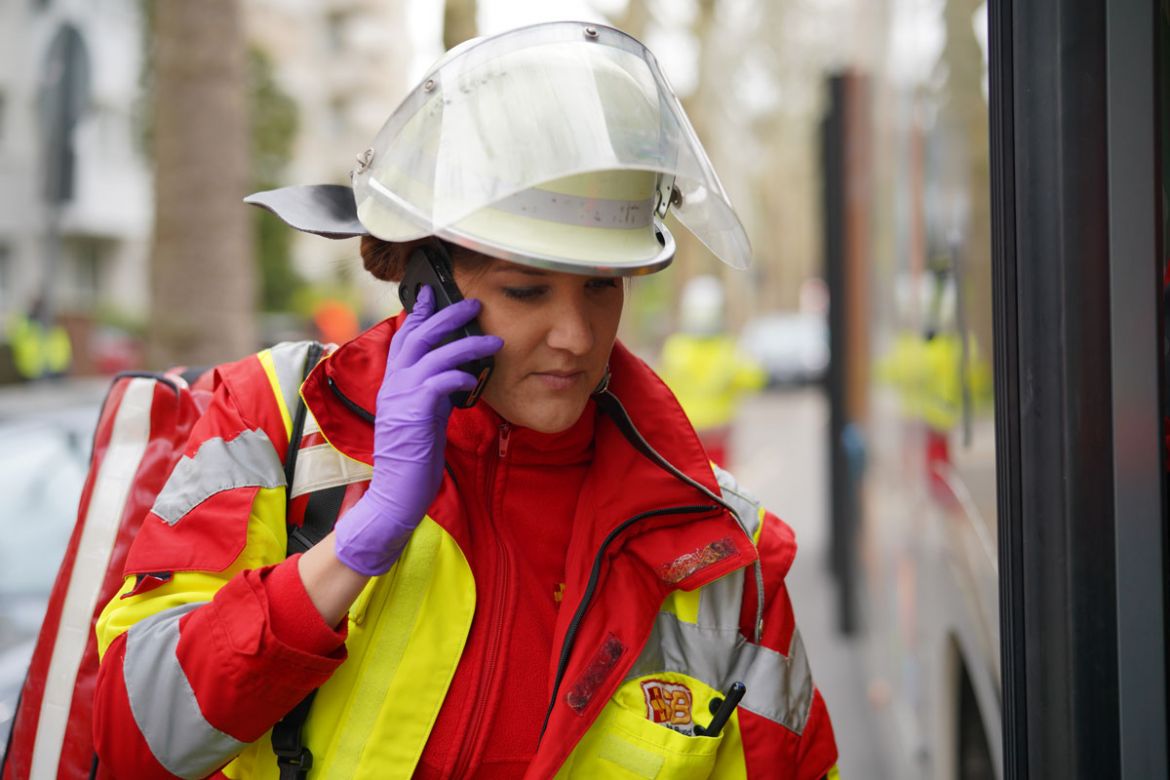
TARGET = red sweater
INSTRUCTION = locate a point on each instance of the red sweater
(521, 502)
(489, 726)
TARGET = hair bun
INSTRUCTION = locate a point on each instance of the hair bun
(386, 260)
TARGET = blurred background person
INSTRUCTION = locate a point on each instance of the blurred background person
(40, 347)
(336, 321)
(705, 368)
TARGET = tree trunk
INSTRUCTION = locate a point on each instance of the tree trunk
(635, 19)
(459, 22)
(202, 272)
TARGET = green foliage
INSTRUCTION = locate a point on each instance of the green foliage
(274, 130)
(279, 281)
(113, 316)
(274, 121)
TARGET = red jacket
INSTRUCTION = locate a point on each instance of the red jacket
(637, 536)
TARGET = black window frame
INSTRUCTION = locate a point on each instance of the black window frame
(1080, 459)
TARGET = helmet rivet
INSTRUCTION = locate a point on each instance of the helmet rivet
(590, 32)
(429, 85)
(676, 197)
(364, 160)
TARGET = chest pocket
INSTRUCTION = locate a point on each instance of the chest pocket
(646, 731)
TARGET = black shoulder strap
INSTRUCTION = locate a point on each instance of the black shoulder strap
(298, 427)
(321, 511)
(292, 757)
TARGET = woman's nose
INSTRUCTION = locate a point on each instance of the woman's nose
(570, 329)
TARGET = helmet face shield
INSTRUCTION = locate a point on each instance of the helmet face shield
(532, 124)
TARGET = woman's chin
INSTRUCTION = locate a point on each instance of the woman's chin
(542, 415)
(553, 420)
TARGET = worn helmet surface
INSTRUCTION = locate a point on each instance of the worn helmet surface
(559, 145)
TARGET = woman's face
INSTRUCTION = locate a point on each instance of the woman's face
(558, 330)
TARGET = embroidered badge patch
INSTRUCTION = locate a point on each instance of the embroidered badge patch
(685, 565)
(668, 703)
(595, 674)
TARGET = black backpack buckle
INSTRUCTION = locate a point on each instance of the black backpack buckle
(294, 762)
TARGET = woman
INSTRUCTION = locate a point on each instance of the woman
(551, 581)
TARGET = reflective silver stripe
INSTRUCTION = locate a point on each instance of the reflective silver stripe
(575, 210)
(311, 424)
(320, 467)
(746, 505)
(779, 688)
(289, 360)
(164, 704)
(720, 601)
(128, 442)
(747, 509)
(248, 460)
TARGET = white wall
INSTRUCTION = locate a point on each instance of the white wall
(112, 201)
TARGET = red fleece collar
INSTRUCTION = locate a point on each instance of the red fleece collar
(480, 428)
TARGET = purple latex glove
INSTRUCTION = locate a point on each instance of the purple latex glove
(410, 432)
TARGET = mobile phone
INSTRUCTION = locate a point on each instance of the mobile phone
(430, 265)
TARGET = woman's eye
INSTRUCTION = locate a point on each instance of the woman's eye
(524, 293)
(601, 284)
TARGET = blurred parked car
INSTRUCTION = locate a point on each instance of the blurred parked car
(46, 431)
(792, 347)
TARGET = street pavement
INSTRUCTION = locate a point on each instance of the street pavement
(779, 454)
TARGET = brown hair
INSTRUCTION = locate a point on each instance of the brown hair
(386, 260)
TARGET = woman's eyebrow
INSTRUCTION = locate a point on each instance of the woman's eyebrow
(520, 270)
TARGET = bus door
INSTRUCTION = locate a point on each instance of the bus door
(1078, 140)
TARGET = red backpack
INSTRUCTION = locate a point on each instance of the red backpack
(141, 434)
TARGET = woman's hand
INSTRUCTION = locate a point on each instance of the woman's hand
(410, 432)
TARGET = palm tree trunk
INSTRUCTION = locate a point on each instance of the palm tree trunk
(202, 273)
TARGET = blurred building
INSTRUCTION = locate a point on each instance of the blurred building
(345, 64)
(93, 48)
(343, 61)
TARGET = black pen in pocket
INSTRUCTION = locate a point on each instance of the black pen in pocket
(722, 711)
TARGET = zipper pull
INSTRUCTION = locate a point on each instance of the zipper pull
(505, 435)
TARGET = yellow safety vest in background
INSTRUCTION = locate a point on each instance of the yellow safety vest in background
(709, 375)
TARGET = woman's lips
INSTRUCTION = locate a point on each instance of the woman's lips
(559, 380)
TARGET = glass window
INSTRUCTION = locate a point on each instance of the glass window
(930, 582)
(86, 256)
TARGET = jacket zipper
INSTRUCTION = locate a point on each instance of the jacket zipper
(483, 690)
(594, 575)
(611, 405)
(505, 437)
